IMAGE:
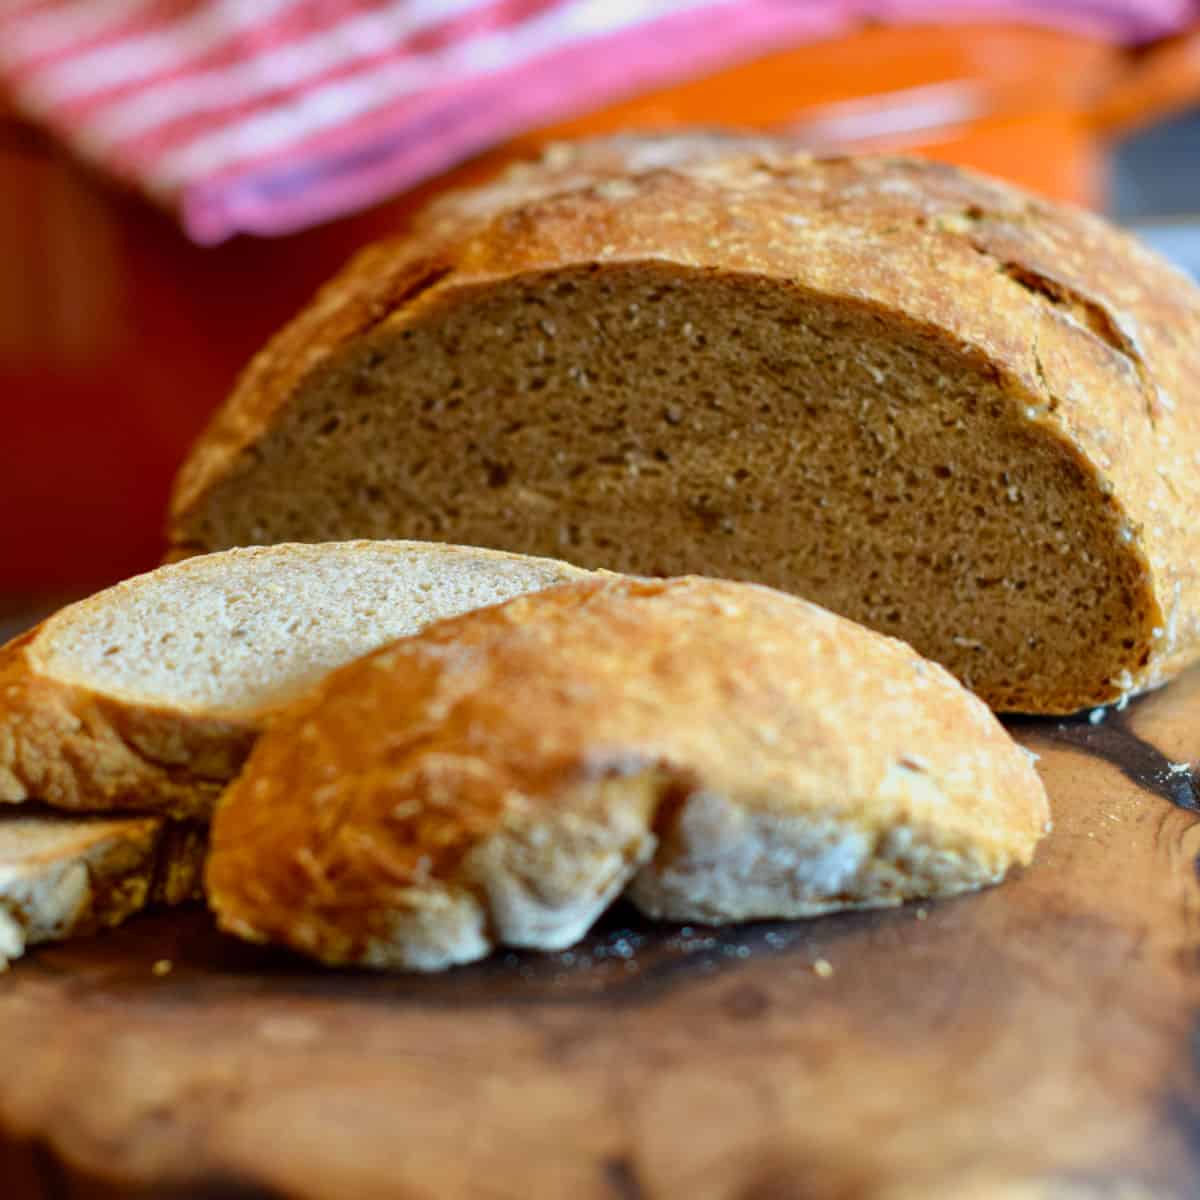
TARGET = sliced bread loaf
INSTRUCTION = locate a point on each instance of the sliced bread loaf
(498, 779)
(933, 403)
(148, 696)
(61, 875)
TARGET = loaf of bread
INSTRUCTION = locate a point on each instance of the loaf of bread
(727, 751)
(148, 696)
(928, 401)
(63, 875)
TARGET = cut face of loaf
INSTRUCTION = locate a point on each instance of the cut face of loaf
(929, 402)
(148, 696)
(730, 752)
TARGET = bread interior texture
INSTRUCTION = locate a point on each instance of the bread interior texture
(236, 633)
(650, 418)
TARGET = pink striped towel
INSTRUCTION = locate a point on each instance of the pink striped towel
(266, 116)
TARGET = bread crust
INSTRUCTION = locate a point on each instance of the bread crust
(65, 876)
(75, 748)
(1096, 339)
(496, 780)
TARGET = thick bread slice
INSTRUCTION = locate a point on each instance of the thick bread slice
(148, 696)
(498, 779)
(61, 875)
(928, 401)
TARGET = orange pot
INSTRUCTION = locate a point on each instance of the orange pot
(1034, 106)
(118, 337)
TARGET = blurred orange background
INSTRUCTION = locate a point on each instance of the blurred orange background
(118, 337)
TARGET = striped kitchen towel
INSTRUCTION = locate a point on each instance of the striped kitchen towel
(266, 116)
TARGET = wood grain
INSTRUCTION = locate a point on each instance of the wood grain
(1036, 1040)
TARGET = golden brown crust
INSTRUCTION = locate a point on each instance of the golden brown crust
(499, 777)
(1097, 340)
(76, 749)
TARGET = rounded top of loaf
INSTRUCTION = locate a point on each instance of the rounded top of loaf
(382, 785)
(1003, 269)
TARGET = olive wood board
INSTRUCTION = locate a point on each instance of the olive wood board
(1039, 1039)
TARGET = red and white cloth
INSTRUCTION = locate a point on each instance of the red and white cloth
(265, 116)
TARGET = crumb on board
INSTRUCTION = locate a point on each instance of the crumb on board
(823, 967)
(162, 967)
(922, 914)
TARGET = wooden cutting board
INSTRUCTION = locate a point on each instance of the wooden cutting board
(1036, 1040)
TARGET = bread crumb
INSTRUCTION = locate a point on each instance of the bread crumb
(286, 1030)
(823, 967)
(162, 967)
(922, 914)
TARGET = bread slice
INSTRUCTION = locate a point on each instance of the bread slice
(928, 401)
(148, 696)
(728, 751)
(61, 876)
